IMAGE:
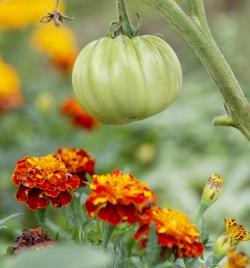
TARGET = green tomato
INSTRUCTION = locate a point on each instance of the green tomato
(122, 80)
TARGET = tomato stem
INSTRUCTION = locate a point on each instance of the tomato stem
(195, 30)
(123, 18)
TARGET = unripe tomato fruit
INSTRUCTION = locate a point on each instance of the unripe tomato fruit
(126, 79)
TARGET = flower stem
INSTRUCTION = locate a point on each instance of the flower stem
(199, 36)
(108, 230)
(40, 216)
(123, 18)
(201, 211)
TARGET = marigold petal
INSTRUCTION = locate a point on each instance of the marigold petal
(109, 214)
(22, 194)
(35, 201)
(73, 182)
(63, 199)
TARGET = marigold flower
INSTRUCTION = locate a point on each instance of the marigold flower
(42, 180)
(174, 231)
(77, 162)
(235, 233)
(59, 44)
(10, 94)
(31, 238)
(118, 197)
(212, 190)
(20, 13)
(236, 259)
(80, 118)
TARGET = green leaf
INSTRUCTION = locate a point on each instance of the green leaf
(152, 248)
(137, 30)
(62, 256)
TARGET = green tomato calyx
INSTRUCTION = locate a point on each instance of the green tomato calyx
(115, 29)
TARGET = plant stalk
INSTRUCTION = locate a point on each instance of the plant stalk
(199, 37)
(108, 230)
(203, 208)
(123, 18)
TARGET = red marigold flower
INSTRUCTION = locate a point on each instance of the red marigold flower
(118, 197)
(79, 117)
(31, 238)
(78, 162)
(42, 180)
(174, 231)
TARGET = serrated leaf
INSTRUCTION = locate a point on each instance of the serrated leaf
(63, 256)
(74, 215)
(152, 248)
(179, 263)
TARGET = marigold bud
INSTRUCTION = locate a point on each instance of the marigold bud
(212, 189)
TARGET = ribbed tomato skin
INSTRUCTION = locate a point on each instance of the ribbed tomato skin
(122, 80)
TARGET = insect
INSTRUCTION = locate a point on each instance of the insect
(55, 16)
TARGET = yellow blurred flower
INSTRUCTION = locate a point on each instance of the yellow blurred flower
(10, 94)
(236, 259)
(20, 13)
(44, 102)
(59, 44)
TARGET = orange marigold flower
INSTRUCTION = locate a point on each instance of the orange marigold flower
(10, 94)
(118, 197)
(236, 259)
(42, 180)
(31, 238)
(16, 14)
(235, 233)
(77, 162)
(80, 118)
(174, 231)
(59, 44)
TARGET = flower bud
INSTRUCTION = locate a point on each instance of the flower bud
(212, 189)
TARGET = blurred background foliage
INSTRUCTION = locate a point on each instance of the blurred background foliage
(174, 151)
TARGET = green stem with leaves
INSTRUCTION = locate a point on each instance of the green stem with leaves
(194, 28)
